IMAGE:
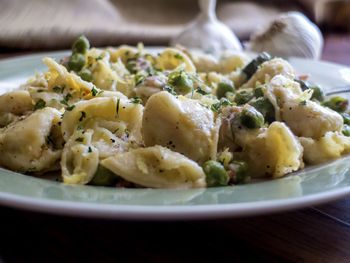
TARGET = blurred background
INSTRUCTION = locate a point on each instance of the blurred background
(52, 24)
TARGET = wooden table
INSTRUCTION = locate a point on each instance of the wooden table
(315, 234)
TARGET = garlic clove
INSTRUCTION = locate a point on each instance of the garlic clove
(206, 32)
(290, 34)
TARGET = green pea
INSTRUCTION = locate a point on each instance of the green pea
(338, 104)
(318, 93)
(346, 130)
(81, 45)
(215, 173)
(224, 87)
(258, 92)
(76, 62)
(265, 107)
(241, 171)
(251, 118)
(303, 84)
(253, 66)
(181, 82)
(86, 75)
(346, 118)
(242, 97)
(103, 177)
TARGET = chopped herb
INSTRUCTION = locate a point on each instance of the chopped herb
(79, 139)
(50, 140)
(98, 58)
(225, 102)
(200, 91)
(203, 105)
(178, 56)
(302, 103)
(94, 91)
(169, 89)
(83, 115)
(136, 100)
(215, 107)
(39, 104)
(40, 90)
(90, 150)
(68, 96)
(127, 53)
(64, 102)
(57, 89)
(139, 79)
(70, 108)
(80, 127)
(117, 109)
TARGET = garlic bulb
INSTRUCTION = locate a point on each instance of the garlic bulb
(206, 32)
(290, 34)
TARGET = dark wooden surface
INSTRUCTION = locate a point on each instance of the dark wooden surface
(315, 234)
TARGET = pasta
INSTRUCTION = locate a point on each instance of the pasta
(125, 116)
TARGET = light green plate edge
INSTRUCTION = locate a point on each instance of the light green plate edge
(311, 186)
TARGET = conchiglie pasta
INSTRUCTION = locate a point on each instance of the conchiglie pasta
(275, 152)
(171, 58)
(310, 120)
(107, 79)
(59, 76)
(24, 144)
(156, 167)
(330, 146)
(105, 108)
(182, 125)
(123, 52)
(306, 119)
(230, 60)
(79, 158)
(13, 105)
(268, 70)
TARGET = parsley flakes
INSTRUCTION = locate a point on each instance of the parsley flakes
(39, 104)
(117, 109)
(94, 91)
(83, 116)
(170, 90)
(201, 91)
(136, 100)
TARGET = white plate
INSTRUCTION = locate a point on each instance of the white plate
(314, 185)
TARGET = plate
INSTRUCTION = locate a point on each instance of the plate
(311, 186)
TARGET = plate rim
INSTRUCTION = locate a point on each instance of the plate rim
(168, 212)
